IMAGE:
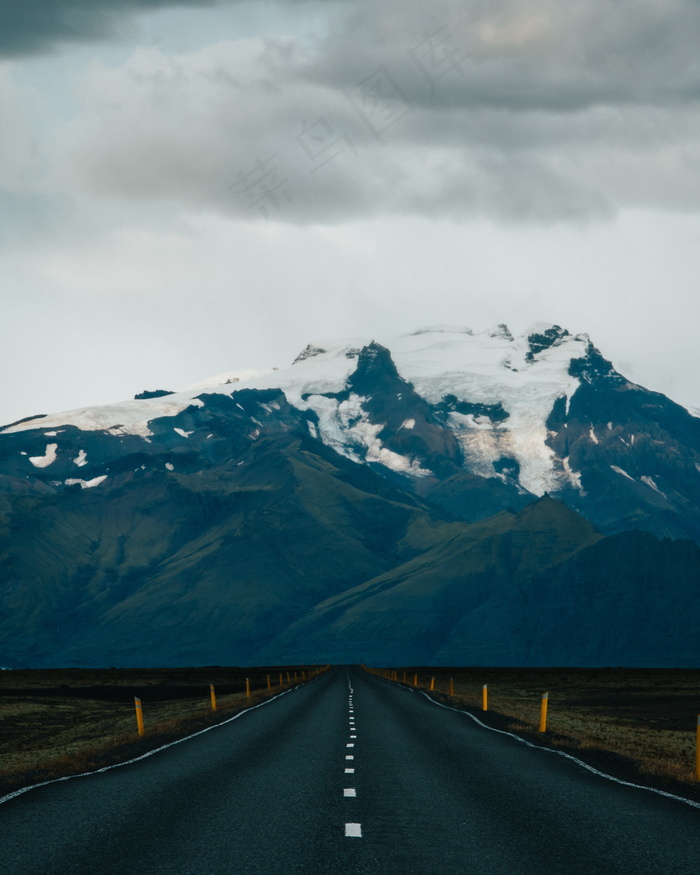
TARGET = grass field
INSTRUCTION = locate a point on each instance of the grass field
(641, 722)
(64, 721)
(638, 723)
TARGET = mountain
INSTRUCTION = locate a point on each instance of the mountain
(442, 497)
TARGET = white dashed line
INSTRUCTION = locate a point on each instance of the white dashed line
(353, 736)
(350, 744)
(353, 830)
(349, 771)
(349, 758)
(349, 791)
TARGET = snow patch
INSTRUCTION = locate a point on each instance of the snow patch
(86, 484)
(650, 482)
(620, 471)
(128, 417)
(591, 435)
(574, 477)
(407, 424)
(170, 466)
(346, 428)
(228, 380)
(182, 432)
(80, 459)
(47, 459)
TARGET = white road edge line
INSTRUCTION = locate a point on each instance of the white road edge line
(149, 753)
(560, 753)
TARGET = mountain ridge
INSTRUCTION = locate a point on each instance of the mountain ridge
(446, 479)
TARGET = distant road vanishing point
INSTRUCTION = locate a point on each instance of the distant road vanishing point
(348, 774)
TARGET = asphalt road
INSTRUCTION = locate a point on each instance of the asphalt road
(348, 774)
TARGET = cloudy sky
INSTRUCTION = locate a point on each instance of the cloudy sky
(193, 187)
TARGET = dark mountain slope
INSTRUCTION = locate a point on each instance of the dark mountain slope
(627, 600)
(538, 588)
(199, 568)
(637, 451)
(411, 608)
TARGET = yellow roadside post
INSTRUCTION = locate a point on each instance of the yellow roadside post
(452, 686)
(404, 677)
(247, 688)
(139, 715)
(543, 712)
(485, 698)
(289, 679)
(432, 683)
(415, 679)
(281, 681)
(212, 693)
(269, 683)
(697, 750)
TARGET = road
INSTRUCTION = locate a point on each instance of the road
(348, 774)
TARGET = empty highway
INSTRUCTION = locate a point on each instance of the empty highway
(347, 774)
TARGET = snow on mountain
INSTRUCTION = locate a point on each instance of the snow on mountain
(228, 378)
(490, 371)
(124, 417)
(474, 422)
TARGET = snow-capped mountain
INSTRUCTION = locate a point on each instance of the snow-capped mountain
(445, 412)
(442, 497)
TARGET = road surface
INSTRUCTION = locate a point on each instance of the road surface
(348, 774)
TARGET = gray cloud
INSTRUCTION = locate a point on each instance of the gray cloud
(521, 111)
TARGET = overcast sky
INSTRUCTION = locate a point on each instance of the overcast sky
(194, 187)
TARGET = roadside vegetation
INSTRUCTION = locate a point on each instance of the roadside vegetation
(640, 722)
(59, 722)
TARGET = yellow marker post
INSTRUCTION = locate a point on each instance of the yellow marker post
(452, 686)
(543, 712)
(404, 677)
(139, 716)
(289, 679)
(269, 683)
(303, 675)
(485, 698)
(432, 683)
(697, 750)
(212, 693)
(415, 679)
(247, 688)
(295, 677)
(281, 680)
